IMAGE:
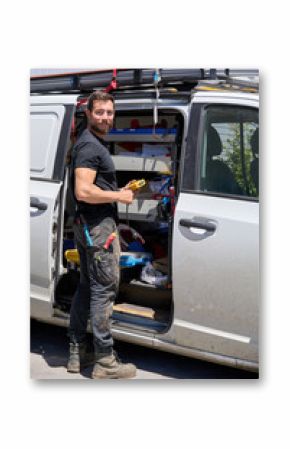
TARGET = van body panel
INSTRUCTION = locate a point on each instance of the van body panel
(40, 308)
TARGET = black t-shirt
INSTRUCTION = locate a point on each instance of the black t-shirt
(91, 152)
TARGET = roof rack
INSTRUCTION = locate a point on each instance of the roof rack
(242, 86)
(120, 79)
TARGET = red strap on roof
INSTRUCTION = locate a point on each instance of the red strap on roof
(82, 102)
(113, 84)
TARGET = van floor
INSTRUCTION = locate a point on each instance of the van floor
(137, 305)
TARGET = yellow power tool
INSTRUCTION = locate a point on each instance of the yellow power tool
(136, 185)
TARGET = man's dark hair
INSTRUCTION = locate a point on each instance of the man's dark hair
(98, 95)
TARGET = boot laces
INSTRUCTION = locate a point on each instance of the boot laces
(117, 357)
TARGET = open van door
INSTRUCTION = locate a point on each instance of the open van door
(50, 134)
(216, 230)
(44, 218)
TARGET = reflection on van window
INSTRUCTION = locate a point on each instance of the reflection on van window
(230, 151)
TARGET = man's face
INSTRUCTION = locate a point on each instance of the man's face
(100, 119)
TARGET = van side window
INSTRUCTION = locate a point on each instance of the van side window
(230, 151)
(46, 124)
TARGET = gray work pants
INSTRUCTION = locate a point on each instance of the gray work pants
(98, 287)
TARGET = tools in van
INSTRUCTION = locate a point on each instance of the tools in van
(72, 256)
(159, 186)
(164, 192)
(131, 259)
(129, 237)
(150, 275)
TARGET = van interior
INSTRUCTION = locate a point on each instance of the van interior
(144, 146)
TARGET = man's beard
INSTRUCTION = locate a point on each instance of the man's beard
(98, 130)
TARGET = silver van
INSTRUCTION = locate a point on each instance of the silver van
(190, 240)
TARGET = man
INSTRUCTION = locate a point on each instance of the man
(93, 180)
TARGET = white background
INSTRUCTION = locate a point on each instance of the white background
(221, 413)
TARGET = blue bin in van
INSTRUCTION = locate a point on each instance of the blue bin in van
(131, 259)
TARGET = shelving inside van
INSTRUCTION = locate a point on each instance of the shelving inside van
(139, 150)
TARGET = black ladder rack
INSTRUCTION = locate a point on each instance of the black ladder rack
(82, 82)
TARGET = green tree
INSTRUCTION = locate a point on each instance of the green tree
(239, 159)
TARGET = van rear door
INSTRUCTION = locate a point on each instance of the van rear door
(216, 230)
(50, 133)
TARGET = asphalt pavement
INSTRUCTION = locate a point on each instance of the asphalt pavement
(49, 348)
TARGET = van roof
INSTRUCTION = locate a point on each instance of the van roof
(53, 99)
(223, 94)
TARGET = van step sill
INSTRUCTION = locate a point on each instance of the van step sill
(137, 322)
(128, 320)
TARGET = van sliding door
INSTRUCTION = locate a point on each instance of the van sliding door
(216, 232)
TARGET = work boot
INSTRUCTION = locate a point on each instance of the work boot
(110, 367)
(78, 357)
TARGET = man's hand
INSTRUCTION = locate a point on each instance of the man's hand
(126, 196)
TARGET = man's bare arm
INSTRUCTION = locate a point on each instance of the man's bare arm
(87, 191)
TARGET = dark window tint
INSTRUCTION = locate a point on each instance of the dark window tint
(230, 151)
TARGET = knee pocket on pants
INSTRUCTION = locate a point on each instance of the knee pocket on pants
(106, 268)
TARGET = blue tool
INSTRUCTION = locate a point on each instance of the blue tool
(87, 235)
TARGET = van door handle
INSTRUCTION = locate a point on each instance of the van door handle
(35, 203)
(206, 225)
